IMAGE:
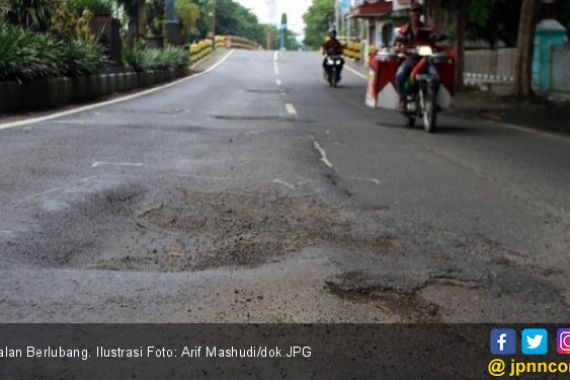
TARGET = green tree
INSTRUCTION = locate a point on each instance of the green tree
(522, 86)
(155, 17)
(188, 14)
(316, 21)
(30, 14)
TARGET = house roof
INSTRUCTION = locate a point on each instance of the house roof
(372, 9)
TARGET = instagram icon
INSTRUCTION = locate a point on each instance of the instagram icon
(563, 341)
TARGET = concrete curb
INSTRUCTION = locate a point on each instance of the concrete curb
(55, 92)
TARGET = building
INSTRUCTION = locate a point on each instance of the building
(377, 21)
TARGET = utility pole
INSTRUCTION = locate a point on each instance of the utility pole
(172, 24)
(272, 13)
(283, 29)
(214, 20)
(336, 15)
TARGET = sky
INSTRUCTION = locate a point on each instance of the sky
(294, 9)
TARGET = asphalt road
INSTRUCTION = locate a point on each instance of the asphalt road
(255, 192)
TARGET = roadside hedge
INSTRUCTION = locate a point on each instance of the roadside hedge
(102, 8)
(28, 55)
(151, 59)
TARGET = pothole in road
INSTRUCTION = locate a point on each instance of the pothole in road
(207, 231)
(411, 307)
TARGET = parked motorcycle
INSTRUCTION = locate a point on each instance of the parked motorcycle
(333, 68)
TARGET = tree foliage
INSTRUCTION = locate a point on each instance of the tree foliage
(188, 14)
(316, 21)
(31, 14)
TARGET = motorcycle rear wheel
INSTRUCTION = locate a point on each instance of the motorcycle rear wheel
(332, 80)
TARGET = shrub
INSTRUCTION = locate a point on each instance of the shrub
(83, 57)
(27, 55)
(67, 25)
(150, 59)
(102, 8)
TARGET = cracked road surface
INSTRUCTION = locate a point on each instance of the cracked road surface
(244, 195)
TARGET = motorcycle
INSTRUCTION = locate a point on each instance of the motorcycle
(333, 68)
(421, 101)
(426, 95)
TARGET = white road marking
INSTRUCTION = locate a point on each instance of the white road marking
(278, 81)
(291, 109)
(5, 232)
(304, 182)
(276, 55)
(113, 101)
(276, 69)
(101, 163)
(366, 179)
(54, 190)
(323, 154)
(286, 184)
(359, 74)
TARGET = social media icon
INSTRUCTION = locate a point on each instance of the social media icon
(563, 341)
(503, 342)
(534, 341)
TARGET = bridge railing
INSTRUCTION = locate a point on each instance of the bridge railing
(201, 50)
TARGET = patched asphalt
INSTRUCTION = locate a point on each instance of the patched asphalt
(209, 202)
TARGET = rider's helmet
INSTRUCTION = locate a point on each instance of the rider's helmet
(332, 33)
(417, 7)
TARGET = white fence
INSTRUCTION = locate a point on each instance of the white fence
(496, 66)
(560, 69)
(489, 65)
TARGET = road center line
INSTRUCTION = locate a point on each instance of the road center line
(359, 74)
(366, 179)
(113, 101)
(278, 81)
(284, 183)
(276, 69)
(276, 55)
(291, 109)
(101, 163)
(323, 154)
(5, 232)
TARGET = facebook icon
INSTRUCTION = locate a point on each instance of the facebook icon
(503, 342)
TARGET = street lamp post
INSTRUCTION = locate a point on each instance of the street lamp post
(172, 24)
(213, 15)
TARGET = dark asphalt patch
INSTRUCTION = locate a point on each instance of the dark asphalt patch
(254, 118)
(265, 91)
(411, 307)
(165, 128)
(237, 230)
(161, 111)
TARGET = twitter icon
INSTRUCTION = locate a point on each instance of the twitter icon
(534, 341)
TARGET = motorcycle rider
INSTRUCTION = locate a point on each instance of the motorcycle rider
(332, 46)
(415, 33)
